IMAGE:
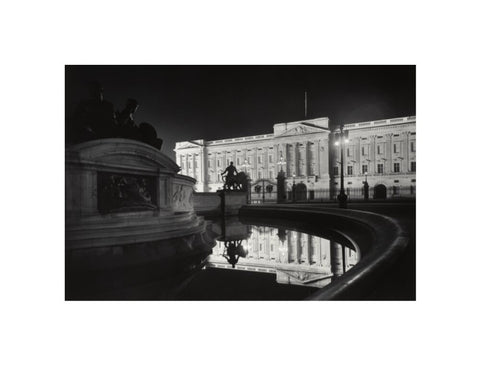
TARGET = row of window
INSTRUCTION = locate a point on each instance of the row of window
(240, 162)
(396, 149)
(396, 168)
(254, 176)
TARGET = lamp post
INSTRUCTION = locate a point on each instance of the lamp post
(281, 163)
(365, 187)
(281, 182)
(341, 141)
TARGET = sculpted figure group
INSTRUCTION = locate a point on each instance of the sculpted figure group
(95, 118)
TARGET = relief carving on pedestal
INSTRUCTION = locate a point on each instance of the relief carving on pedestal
(124, 193)
(182, 197)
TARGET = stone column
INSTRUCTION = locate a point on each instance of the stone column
(295, 158)
(318, 251)
(307, 160)
(316, 158)
(298, 246)
(288, 170)
(276, 158)
(289, 246)
(406, 166)
(323, 164)
(388, 168)
(336, 258)
(374, 153)
(307, 249)
(187, 164)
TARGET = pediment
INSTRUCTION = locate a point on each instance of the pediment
(302, 129)
(187, 144)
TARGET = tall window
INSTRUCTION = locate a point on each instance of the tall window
(348, 152)
(259, 159)
(380, 168)
(363, 151)
(335, 170)
(270, 158)
(238, 161)
(395, 148)
(413, 166)
(396, 167)
(209, 163)
(364, 169)
(379, 151)
(218, 163)
(349, 170)
(189, 164)
(412, 146)
(259, 174)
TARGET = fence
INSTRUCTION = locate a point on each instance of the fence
(324, 195)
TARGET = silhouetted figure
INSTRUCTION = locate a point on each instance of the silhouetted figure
(93, 118)
(126, 127)
(231, 172)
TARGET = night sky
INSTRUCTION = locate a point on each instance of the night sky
(215, 102)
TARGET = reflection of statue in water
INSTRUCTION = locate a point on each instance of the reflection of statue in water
(234, 250)
(93, 118)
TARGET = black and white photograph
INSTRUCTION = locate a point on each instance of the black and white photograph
(214, 182)
(240, 182)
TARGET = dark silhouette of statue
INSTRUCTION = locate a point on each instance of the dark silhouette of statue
(231, 172)
(126, 127)
(234, 250)
(93, 118)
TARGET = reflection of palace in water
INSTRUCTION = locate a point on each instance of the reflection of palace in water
(295, 257)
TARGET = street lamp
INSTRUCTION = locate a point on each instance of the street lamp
(281, 163)
(365, 186)
(342, 139)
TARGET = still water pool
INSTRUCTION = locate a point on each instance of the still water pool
(231, 260)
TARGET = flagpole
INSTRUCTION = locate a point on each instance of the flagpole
(305, 105)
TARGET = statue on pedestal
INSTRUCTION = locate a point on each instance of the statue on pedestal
(95, 118)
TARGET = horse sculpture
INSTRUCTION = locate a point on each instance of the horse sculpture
(237, 182)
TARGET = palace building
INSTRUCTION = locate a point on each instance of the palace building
(380, 152)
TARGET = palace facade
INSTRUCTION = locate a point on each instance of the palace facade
(381, 152)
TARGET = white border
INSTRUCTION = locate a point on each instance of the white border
(39, 38)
